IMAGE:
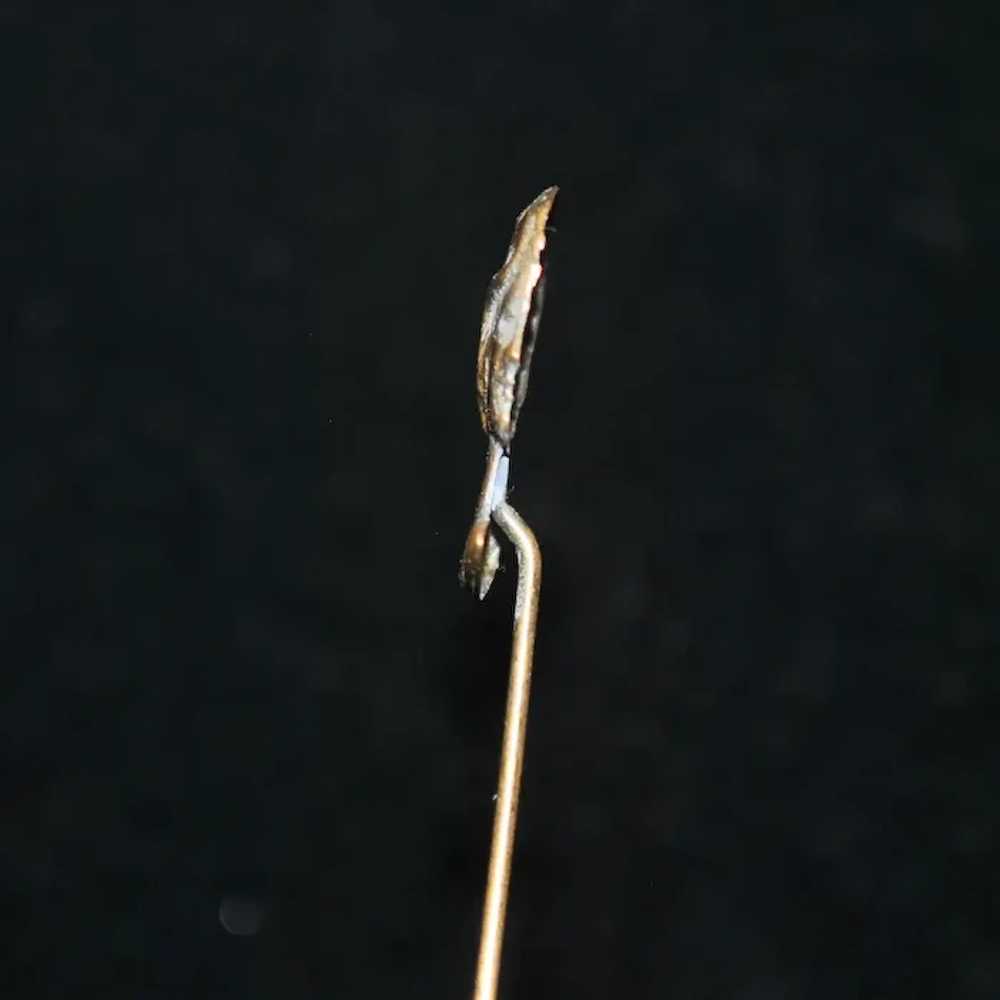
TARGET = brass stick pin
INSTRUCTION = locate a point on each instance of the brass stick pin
(510, 325)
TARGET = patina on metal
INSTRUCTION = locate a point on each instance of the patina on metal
(511, 317)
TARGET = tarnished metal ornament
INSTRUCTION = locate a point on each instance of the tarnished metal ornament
(510, 326)
(511, 316)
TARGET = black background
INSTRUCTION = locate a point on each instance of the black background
(245, 265)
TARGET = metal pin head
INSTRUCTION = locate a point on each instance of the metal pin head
(510, 326)
(511, 316)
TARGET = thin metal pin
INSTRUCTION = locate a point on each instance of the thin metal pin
(510, 326)
(529, 581)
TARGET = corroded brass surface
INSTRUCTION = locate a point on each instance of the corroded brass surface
(510, 322)
(510, 326)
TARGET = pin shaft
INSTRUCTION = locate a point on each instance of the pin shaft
(529, 580)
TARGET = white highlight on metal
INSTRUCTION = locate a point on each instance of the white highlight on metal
(498, 492)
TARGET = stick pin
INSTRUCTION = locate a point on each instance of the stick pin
(510, 326)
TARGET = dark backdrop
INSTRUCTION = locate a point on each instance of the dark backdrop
(249, 721)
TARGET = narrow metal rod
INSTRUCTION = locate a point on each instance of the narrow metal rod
(529, 580)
